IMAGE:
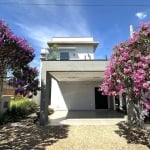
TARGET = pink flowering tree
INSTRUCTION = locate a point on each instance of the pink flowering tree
(15, 56)
(128, 72)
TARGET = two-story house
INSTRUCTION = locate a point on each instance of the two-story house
(71, 81)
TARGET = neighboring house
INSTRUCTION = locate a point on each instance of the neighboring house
(71, 82)
(7, 89)
(7, 93)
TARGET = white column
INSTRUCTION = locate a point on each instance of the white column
(120, 101)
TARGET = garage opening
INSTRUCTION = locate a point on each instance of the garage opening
(101, 101)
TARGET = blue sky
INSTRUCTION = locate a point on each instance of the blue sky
(106, 20)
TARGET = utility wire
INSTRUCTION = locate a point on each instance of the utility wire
(76, 5)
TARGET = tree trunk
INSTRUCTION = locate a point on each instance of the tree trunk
(1, 87)
(134, 112)
(2, 73)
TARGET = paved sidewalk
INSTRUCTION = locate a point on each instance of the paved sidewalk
(103, 117)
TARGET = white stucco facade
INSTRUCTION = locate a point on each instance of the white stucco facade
(80, 52)
(72, 83)
(73, 95)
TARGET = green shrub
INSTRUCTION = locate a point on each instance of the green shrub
(18, 109)
(22, 107)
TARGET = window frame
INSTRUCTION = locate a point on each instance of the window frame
(65, 57)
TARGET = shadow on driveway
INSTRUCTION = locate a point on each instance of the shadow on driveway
(95, 114)
(30, 136)
(134, 135)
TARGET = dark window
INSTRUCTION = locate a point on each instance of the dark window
(64, 56)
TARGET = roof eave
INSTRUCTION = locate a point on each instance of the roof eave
(95, 44)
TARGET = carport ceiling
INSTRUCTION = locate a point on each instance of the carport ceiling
(77, 76)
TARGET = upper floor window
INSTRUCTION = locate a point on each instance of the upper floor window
(64, 55)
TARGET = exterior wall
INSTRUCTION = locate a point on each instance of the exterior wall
(73, 95)
(69, 95)
(85, 52)
(79, 52)
(57, 100)
(79, 48)
(73, 66)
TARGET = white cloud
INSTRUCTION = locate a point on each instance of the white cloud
(141, 15)
(43, 23)
(58, 21)
(42, 34)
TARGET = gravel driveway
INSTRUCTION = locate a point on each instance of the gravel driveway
(95, 138)
(78, 137)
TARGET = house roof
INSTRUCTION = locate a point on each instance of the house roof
(73, 41)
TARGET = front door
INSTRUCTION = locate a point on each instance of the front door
(101, 101)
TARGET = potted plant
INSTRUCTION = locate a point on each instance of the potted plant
(53, 52)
